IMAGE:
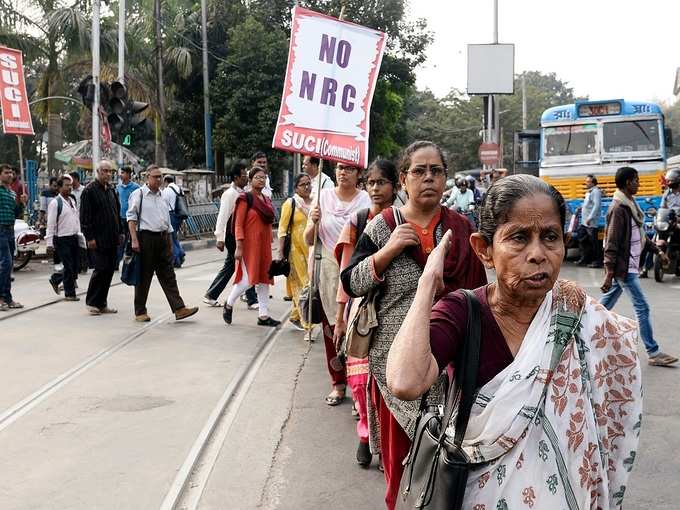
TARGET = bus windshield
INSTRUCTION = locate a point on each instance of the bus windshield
(631, 136)
(570, 140)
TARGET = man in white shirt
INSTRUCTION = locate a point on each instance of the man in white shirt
(310, 165)
(77, 188)
(170, 194)
(63, 226)
(224, 234)
(150, 228)
(260, 159)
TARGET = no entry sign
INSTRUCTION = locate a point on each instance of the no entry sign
(332, 69)
(16, 116)
(489, 153)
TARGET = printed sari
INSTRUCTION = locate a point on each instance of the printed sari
(559, 427)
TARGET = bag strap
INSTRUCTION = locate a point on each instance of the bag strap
(291, 220)
(362, 219)
(467, 366)
(139, 214)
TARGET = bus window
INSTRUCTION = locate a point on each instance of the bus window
(631, 136)
(570, 140)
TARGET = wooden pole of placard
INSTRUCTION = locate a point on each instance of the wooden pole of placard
(313, 284)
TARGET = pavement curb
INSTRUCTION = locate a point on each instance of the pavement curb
(197, 244)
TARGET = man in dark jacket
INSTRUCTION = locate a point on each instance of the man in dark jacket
(100, 224)
(624, 240)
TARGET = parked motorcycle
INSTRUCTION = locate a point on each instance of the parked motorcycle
(667, 238)
(26, 241)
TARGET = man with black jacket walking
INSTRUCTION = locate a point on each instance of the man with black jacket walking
(624, 240)
(100, 224)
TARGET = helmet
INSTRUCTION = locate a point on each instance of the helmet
(673, 177)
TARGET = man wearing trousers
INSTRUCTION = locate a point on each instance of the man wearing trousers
(224, 234)
(150, 234)
(8, 212)
(100, 224)
(63, 226)
(624, 242)
(170, 193)
(591, 253)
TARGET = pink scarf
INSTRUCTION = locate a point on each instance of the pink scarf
(335, 213)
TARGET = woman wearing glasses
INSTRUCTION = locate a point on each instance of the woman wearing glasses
(332, 210)
(253, 219)
(392, 254)
(293, 219)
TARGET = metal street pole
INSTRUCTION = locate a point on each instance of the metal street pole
(525, 145)
(121, 59)
(206, 88)
(21, 161)
(495, 135)
(95, 81)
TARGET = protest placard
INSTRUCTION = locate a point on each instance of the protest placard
(332, 69)
(16, 116)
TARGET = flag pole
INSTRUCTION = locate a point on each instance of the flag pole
(313, 284)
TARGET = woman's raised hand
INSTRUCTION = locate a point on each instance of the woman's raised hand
(434, 267)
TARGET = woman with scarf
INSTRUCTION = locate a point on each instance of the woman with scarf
(382, 181)
(253, 219)
(294, 214)
(391, 255)
(557, 412)
(328, 217)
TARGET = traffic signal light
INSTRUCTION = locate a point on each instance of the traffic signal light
(135, 120)
(116, 106)
(86, 91)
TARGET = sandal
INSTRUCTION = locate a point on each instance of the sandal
(13, 305)
(335, 398)
(662, 360)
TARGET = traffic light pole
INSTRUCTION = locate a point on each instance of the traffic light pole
(206, 88)
(95, 81)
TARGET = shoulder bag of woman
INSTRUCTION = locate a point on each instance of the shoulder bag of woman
(436, 470)
(362, 320)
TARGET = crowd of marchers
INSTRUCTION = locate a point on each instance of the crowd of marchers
(553, 413)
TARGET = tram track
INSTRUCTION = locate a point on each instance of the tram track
(192, 477)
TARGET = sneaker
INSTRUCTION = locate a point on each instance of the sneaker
(364, 456)
(185, 312)
(55, 287)
(254, 306)
(211, 302)
(227, 313)
(272, 323)
(142, 318)
(661, 359)
(297, 325)
(71, 298)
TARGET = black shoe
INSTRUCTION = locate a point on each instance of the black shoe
(227, 313)
(55, 286)
(364, 456)
(644, 274)
(287, 298)
(268, 322)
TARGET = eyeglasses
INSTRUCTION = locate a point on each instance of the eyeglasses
(260, 176)
(305, 184)
(347, 169)
(420, 171)
(377, 183)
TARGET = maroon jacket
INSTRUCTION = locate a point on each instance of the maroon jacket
(617, 234)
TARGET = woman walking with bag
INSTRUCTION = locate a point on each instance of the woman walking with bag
(330, 213)
(391, 255)
(554, 420)
(253, 219)
(292, 246)
(382, 181)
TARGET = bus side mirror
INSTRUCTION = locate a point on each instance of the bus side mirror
(668, 137)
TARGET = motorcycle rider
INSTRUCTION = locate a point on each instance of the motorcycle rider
(671, 197)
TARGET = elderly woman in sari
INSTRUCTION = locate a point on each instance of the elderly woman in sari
(391, 256)
(330, 213)
(556, 419)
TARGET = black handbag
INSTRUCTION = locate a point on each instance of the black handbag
(436, 470)
(281, 267)
(131, 272)
(181, 209)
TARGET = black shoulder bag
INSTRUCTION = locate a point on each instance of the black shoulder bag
(281, 267)
(131, 273)
(436, 470)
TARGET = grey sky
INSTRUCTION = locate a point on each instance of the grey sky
(603, 48)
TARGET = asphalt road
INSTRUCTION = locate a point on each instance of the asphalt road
(103, 412)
